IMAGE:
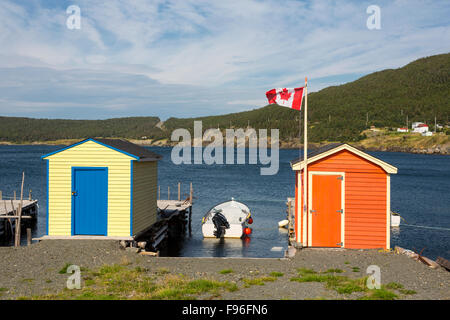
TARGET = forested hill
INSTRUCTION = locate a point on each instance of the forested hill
(419, 90)
(28, 130)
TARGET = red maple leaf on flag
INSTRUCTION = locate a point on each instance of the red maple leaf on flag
(285, 94)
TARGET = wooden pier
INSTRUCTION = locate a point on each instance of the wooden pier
(14, 214)
(173, 218)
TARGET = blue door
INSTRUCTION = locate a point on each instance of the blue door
(89, 201)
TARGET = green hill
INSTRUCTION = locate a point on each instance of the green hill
(419, 90)
(22, 130)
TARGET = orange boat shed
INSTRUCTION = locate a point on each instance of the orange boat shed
(348, 194)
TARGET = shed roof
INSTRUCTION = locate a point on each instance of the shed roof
(126, 147)
(329, 149)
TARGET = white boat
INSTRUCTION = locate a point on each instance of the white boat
(395, 219)
(228, 219)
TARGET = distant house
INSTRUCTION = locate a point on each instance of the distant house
(421, 128)
(416, 124)
(402, 130)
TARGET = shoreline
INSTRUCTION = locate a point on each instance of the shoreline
(368, 144)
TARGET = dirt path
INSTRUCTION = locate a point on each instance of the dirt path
(34, 271)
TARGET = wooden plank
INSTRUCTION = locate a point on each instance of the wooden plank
(15, 217)
(83, 238)
(8, 206)
(443, 263)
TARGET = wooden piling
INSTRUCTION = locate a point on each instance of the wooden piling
(29, 195)
(159, 192)
(168, 193)
(179, 191)
(28, 236)
(1, 195)
(19, 213)
(191, 193)
(14, 194)
(190, 220)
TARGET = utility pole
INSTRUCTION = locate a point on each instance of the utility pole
(434, 124)
(407, 123)
(367, 118)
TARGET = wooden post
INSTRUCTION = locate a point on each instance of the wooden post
(168, 193)
(14, 194)
(179, 190)
(289, 211)
(191, 193)
(28, 236)
(1, 196)
(19, 214)
(159, 192)
(190, 219)
(29, 196)
(305, 167)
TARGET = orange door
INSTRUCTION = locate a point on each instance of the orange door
(325, 209)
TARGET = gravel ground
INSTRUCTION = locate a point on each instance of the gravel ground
(34, 270)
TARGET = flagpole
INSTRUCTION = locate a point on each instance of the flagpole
(305, 170)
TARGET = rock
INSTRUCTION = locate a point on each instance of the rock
(123, 243)
(132, 249)
(290, 252)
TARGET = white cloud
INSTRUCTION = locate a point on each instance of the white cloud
(180, 50)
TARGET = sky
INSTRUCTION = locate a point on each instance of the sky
(198, 57)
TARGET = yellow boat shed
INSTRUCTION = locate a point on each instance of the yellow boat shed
(101, 187)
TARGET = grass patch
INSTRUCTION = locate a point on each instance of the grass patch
(379, 294)
(347, 262)
(394, 285)
(276, 274)
(303, 271)
(355, 269)
(29, 280)
(2, 291)
(226, 271)
(312, 278)
(162, 271)
(407, 291)
(334, 271)
(64, 269)
(345, 285)
(257, 281)
(114, 282)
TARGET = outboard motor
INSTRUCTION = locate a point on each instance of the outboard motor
(220, 223)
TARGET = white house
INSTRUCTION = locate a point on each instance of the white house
(416, 124)
(421, 128)
(402, 130)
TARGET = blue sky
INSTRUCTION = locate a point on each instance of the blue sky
(192, 58)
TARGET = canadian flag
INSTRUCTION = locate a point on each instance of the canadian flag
(286, 97)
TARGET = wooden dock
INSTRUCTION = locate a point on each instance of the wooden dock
(15, 214)
(9, 207)
(173, 217)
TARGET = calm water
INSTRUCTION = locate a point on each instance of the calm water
(420, 193)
